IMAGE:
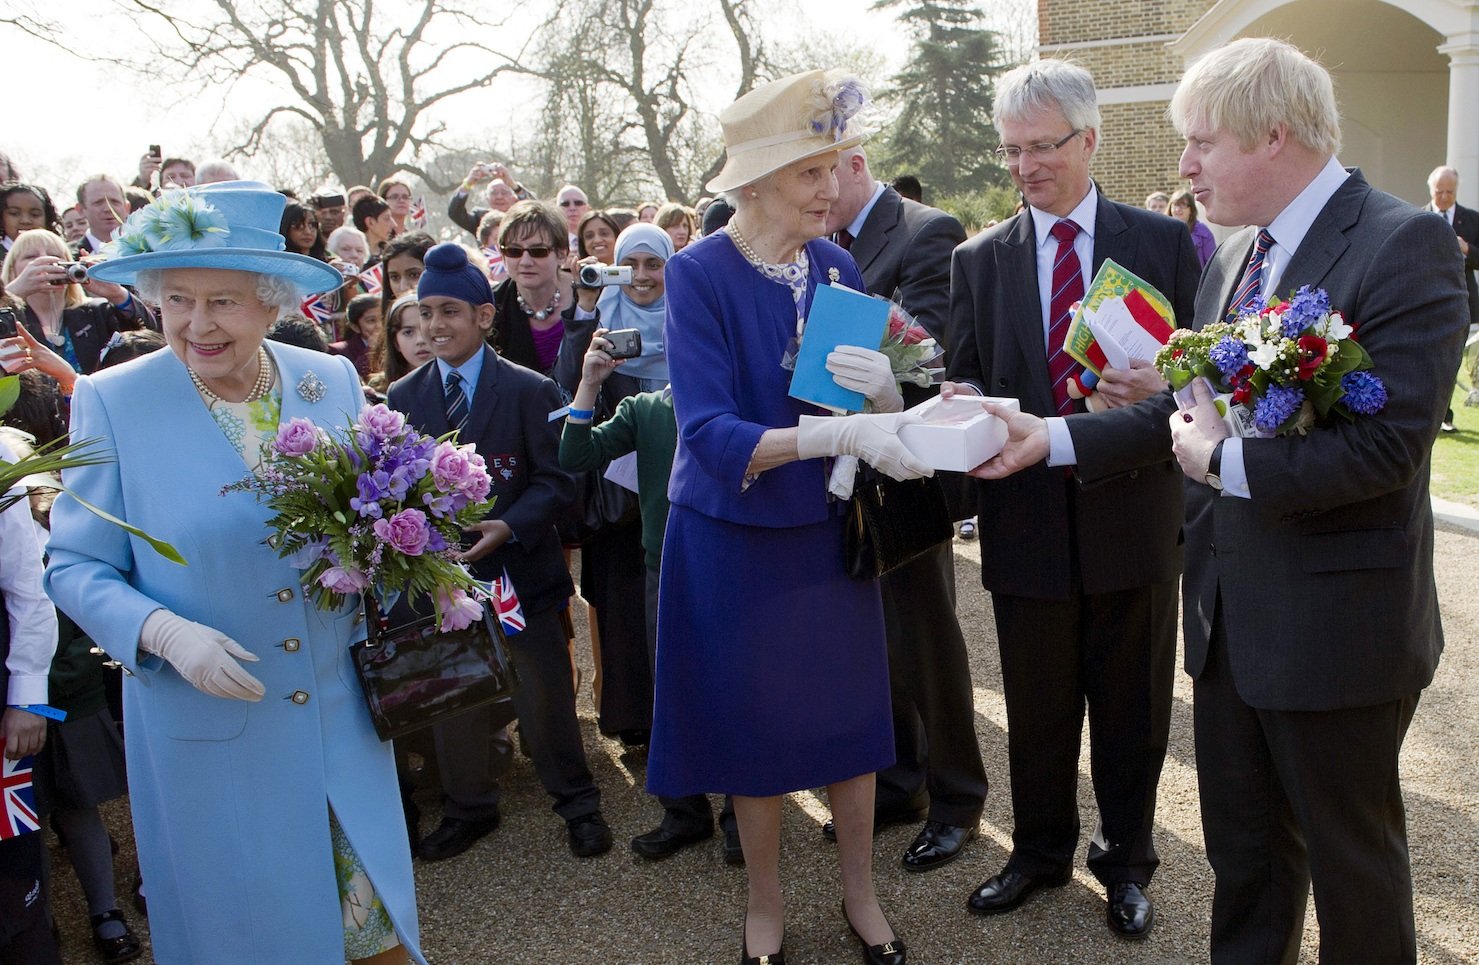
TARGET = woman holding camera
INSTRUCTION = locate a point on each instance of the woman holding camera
(69, 315)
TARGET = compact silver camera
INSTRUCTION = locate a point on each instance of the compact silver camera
(599, 276)
(76, 272)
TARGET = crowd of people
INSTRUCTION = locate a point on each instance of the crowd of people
(624, 373)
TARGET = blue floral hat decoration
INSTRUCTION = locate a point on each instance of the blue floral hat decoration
(229, 224)
(786, 120)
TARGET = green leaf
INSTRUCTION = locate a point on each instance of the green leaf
(10, 392)
(160, 546)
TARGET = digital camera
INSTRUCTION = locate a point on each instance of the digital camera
(599, 276)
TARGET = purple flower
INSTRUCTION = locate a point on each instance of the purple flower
(439, 506)
(1306, 308)
(459, 611)
(1365, 393)
(1229, 355)
(406, 531)
(435, 542)
(381, 421)
(1277, 405)
(344, 579)
(478, 483)
(449, 467)
(297, 437)
(370, 492)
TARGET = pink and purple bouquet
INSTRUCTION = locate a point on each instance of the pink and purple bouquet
(1279, 370)
(376, 506)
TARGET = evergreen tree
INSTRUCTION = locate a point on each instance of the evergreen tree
(943, 131)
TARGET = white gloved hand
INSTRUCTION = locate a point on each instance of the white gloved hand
(872, 438)
(867, 371)
(206, 658)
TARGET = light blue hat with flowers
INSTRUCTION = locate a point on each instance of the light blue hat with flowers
(228, 224)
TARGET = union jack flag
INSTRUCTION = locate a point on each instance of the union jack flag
(506, 604)
(497, 270)
(318, 311)
(19, 795)
(370, 280)
(417, 215)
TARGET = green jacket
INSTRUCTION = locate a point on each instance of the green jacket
(643, 424)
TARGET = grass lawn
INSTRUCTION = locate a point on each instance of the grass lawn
(1456, 456)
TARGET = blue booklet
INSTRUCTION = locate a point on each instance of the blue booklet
(839, 316)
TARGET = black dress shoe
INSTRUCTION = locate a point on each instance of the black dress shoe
(938, 844)
(778, 958)
(589, 835)
(119, 948)
(453, 837)
(881, 820)
(661, 843)
(889, 953)
(1009, 889)
(1130, 913)
(734, 853)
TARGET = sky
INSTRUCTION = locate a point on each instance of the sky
(94, 115)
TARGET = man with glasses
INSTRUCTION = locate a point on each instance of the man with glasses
(1083, 579)
(573, 205)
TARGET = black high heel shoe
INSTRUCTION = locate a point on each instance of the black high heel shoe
(889, 953)
(121, 948)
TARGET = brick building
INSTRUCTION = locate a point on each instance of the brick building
(1406, 75)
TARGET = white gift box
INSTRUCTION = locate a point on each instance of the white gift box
(958, 433)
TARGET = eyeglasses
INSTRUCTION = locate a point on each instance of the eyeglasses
(1012, 154)
(514, 253)
(574, 203)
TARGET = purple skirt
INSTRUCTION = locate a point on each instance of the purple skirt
(772, 672)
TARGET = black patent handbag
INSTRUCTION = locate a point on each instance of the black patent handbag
(891, 522)
(415, 676)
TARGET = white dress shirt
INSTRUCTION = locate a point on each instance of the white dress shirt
(33, 624)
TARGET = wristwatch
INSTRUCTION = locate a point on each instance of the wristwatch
(1214, 468)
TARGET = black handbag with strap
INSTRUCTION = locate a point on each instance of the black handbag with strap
(892, 522)
(415, 675)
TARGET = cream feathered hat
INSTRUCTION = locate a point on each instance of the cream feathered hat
(787, 120)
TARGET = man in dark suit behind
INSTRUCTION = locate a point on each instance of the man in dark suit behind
(1311, 614)
(504, 410)
(903, 249)
(1082, 577)
(1443, 190)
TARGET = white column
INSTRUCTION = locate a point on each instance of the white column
(1462, 51)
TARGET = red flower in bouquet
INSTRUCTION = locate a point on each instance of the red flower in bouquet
(1312, 352)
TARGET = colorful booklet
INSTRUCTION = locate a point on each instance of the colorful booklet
(839, 316)
(1133, 317)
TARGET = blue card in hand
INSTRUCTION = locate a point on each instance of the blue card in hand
(839, 316)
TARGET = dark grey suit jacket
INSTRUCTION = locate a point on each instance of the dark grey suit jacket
(904, 251)
(509, 424)
(1325, 576)
(1123, 530)
(1466, 226)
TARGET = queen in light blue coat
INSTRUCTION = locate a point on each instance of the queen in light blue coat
(267, 816)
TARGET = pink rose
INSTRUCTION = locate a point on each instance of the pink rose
(382, 422)
(344, 579)
(297, 437)
(459, 611)
(406, 531)
(449, 467)
(477, 483)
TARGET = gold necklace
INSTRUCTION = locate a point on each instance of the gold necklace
(259, 389)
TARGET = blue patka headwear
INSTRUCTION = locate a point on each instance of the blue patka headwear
(228, 224)
(447, 272)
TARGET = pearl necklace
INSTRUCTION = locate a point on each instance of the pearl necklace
(542, 314)
(259, 389)
(745, 249)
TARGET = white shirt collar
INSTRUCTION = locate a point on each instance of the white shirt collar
(1084, 216)
(93, 241)
(856, 228)
(1293, 223)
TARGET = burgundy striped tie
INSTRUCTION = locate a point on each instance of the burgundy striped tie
(1249, 296)
(1068, 287)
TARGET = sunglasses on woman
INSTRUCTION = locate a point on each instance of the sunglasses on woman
(514, 253)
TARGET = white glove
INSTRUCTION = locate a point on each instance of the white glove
(872, 438)
(869, 372)
(203, 656)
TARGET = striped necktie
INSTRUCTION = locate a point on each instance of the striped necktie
(456, 402)
(1248, 299)
(1068, 287)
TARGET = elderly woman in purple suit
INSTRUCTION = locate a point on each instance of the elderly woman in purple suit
(788, 689)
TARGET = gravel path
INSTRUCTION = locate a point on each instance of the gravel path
(519, 897)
